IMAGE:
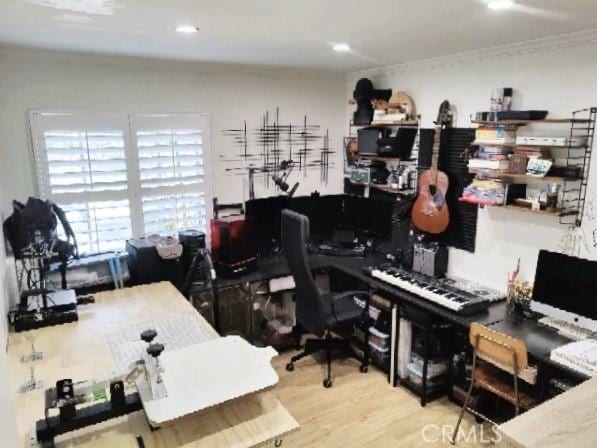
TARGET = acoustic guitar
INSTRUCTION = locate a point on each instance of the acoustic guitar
(430, 211)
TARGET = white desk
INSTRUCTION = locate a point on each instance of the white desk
(568, 420)
(80, 351)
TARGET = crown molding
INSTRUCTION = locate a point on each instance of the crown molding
(553, 43)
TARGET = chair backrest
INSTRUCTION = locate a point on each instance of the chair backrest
(309, 305)
(498, 348)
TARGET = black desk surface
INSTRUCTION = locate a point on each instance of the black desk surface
(540, 340)
(275, 266)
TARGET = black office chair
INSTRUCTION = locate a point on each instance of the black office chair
(319, 313)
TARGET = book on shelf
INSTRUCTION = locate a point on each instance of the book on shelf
(488, 164)
(486, 156)
(495, 135)
(494, 150)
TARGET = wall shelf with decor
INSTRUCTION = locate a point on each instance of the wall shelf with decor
(358, 173)
(507, 169)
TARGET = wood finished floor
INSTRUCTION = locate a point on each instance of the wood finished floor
(360, 410)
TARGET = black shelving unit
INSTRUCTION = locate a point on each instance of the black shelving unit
(412, 187)
(428, 324)
(578, 157)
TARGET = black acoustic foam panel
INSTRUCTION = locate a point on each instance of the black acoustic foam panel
(454, 142)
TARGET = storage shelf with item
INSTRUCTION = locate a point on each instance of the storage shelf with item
(542, 175)
(380, 141)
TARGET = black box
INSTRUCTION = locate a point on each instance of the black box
(146, 266)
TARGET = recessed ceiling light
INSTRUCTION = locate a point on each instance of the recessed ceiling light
(500, 4)
(186, 29)
(343, 48)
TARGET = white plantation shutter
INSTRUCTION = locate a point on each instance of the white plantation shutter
(82, 167)
(172, 171)
(118, 176)
(100, 226)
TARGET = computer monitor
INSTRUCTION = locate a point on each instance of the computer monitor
(566, 289)
(325, 213)
(265, 222)
(368, 217)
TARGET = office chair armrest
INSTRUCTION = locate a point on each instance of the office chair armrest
(363, 295)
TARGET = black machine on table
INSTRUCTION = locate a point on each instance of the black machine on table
(75, 405)
(32, 233)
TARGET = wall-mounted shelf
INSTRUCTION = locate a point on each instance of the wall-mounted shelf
(386, 188)
(519, 178)
(515, 145)
(395, 123)
(526, 122)
(518, 208)
(578, 158)
(380, 158)
(390, 162)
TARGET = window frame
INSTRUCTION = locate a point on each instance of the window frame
(42, 120)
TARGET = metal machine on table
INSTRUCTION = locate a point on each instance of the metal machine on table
(40, 305)
(163, 383)
(32, 233)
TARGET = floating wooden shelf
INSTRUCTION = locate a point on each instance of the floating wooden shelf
(386, 123)
(521, 178)
(380, 158)
(478, 202)
(519, 208)
(516, 145)
(489, 143)
(395, 123)
(530, 210)
(386, 188)
(525, 122)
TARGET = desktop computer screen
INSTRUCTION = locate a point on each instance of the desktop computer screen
(565, 287)
(324, 212)
(265, 222)
(368, 217)
(327, 215)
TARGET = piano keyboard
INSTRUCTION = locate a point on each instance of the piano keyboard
(444, 292)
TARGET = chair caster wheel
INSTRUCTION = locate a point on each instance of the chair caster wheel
(289, 367)
(327, 383)
(364, 368)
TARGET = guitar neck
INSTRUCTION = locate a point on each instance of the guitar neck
(436, 143)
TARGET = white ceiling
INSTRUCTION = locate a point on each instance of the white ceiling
(287, 32)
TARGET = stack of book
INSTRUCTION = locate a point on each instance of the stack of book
(490, 158)
(485, 192)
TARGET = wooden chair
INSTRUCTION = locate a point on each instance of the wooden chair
(498, 352)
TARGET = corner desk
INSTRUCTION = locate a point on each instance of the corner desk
(539, 339)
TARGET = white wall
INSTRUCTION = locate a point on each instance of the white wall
(31, 79)
(549, 74)
(7, 415)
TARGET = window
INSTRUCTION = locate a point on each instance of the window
(171, 161)
(118, 176)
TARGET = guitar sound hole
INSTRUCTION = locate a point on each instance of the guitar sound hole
(432, 189)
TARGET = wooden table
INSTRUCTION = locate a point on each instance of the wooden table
(569, 419)
(81, 351)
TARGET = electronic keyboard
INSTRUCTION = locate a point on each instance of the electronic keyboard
(460, 296)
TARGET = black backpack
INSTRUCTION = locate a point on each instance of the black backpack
(39, 216)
